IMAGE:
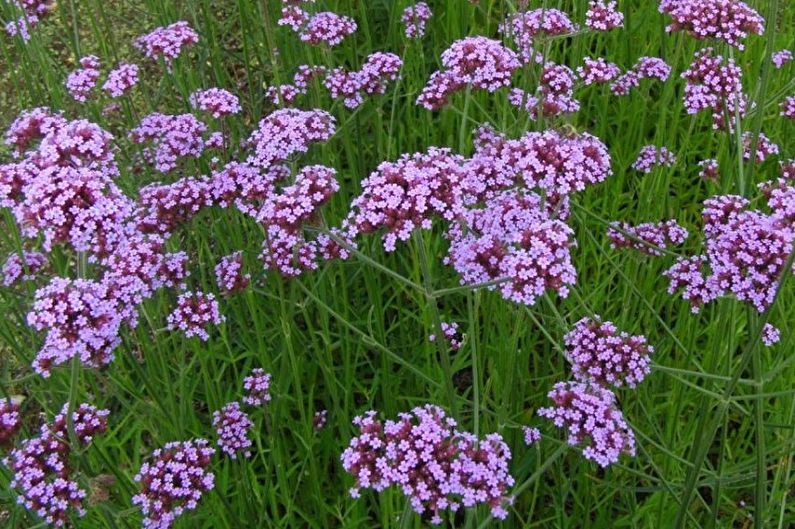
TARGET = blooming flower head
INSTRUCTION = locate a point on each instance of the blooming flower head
(603, 16)
(257, 387)
(727, 20)
(598, 352)
(10, 421)
(232, 426)
(169, 138)
(23, 268)
(173, 481)
(121, 79)
(522, 28)
(229, 275)
(591, 418)
(709, 169)
(531, 435)
(770, 335)
(597, 71)
(81, 81)
(435, 465)
(415, 17)
(481, 62)
(764, 147)
(714, 86)
(649, 238)
(286, 132)
(780, 58)
(327, 28)
(167, 42)
(651, 156)
(193, 313)
(378, 69)
(450, 335)
(788, 107)
(216, 101)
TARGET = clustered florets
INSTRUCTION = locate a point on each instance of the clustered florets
(173, 482)
(434, 464)
(651, 157)
(121, 79)
(590, 415)
(781, 58)
(10, 421)
(167, 42)
(603, 16)
(415, 17)
(40, 465)
(372, 79)
(522, 28)
(81, 81)
(788, 107)
(257, 387)
(644, 68)
(713, 86)
(232, 426)
(649, 238)
(597, 71)
(22, 268)
(709, 169)
(450, 335)
(216, 101)
(171, 137)
(599, 353)
(764, 147)
(727, 20)
(193, 313)
(229, 274)
(555, 93)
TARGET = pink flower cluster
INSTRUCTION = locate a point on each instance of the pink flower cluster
(713, 86)
(286, 94)
(555, 93)
(376, 72)
(10, 421)
(531, 435)
(232, 426)
(167, 42)
(229, 274)
(405, 195)
(80, 82)
(709, 169)
(651, 157)
(788, 107)
(171, 138)
(22, 268)
(257, 386)
(193, 313)
(645, 68)
(33, 11)
(599, 353)
(780, 58)
(324, 27)
(450, 335)
(121, 79)
(522, 28)
(727, 20)
(649, 238)
(415, 17)
(764, 147)
(603, 16)
(173, 482)
(216, 101)
(591, 417)
(597, 70)
(770, 335)
(477, 62)
(41, 469)
(745, 251)
(787, 169)
(435, 465)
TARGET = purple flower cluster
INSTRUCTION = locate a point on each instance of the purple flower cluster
(171, 138)
(708, 169)
(216, 101)
(286, 94)
(649, 238)
(780, 58)
(531, 435)
(787, 169)
(41, 469)
(376, 72)
(745, 253)
(324, 27)
(555, 93)
(232, 426)
(522, 28)
(229, 274)
(80, 82)
(22, 268)
(599, 353)
(788, 107)
(319, 420)
(645, 68)
(764, 147)
(33, 11)
(597, 70)
(405, 195)
(450, 335)
(770, 335)
(477, 62)
(121, 79)
(173, 482)
(590, 415)
(167, 42)
(603, 16)
(727, 20)
(194, 312)
(257, 386)
(287, 132)
(713, 86)
(434, 464)
(651, 157)
(10, 421)
(415, 17)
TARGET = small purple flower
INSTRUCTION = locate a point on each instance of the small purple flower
(770, 335)
(24, 268)
(603, 16)
(764, 147)
(167, 42)
(121, 79)
(415, 17)
(727, 20)
(257, 387)
(597, 71)
(80, 82)
(10, 421)
(531, 435)
(193, 313)
(709, 169)
(327, 28)
(232, 426)
(229, 275)
(216, 101)
(788, 107)
(653, 236)
(651, 156)
(450, 334)
(319, 420)
(780, 58)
